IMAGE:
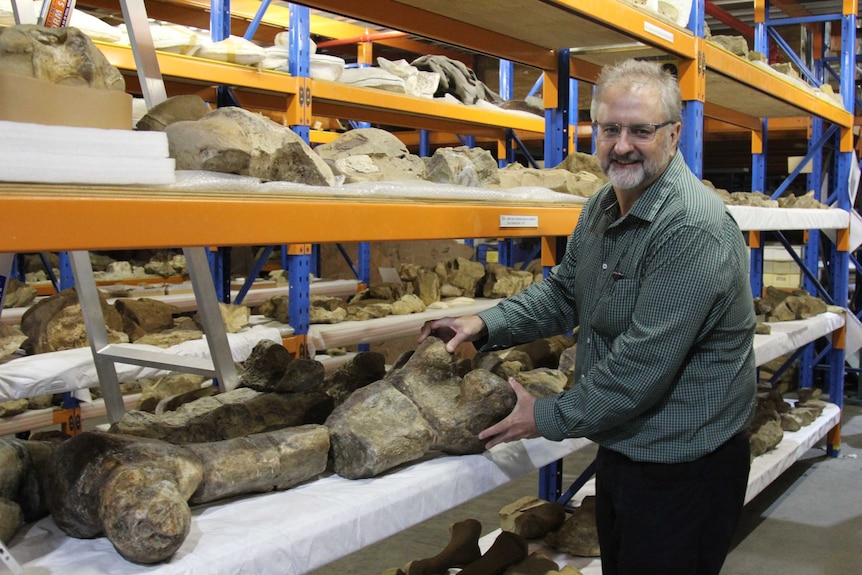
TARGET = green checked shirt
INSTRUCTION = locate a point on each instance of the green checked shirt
(665, 366)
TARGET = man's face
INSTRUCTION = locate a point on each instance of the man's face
(630, 163)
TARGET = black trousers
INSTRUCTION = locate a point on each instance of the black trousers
(667, 519)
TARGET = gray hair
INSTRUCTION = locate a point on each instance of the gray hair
(631, 72)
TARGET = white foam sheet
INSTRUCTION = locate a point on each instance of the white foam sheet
(788, 336)
(74, 369)
(300, 529)
(764, 470)
(755, 218)
(323, 336)
(190, 181)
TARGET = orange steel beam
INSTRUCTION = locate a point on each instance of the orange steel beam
(771, 85)
(82, 218)
(711, 110)
(633, 22)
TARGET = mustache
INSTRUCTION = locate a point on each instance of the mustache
(631, 157)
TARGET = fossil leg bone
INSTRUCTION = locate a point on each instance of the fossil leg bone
(463, 549)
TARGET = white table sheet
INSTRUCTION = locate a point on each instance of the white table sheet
(300, 529)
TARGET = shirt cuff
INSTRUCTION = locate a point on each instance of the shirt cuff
(544, 411)
(498, 332)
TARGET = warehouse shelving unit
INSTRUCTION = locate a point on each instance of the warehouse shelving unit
(715, 84)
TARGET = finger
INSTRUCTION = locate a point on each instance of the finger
(453, 343)
(425, 331)
(492, 431)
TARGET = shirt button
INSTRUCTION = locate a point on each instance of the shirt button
(604, 266)
(588, 340)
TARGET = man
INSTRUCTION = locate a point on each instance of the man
(656, 276)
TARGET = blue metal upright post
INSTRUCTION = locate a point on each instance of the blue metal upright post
(556, 149)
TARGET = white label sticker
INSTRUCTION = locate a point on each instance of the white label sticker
(665, 35)
(519, 221)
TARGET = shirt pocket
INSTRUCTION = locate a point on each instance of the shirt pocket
(614, 308)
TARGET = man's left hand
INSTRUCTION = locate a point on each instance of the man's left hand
(520, 424)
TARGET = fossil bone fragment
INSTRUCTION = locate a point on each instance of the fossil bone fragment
(236, 141)
(462, 549)
(58, 55)
(137, 491)
(531, 517)
(508, 549)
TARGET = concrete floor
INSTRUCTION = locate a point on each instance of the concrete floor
(807, 522)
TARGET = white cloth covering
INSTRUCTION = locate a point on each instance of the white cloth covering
(300, 529)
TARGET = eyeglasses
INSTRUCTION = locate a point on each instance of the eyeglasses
(639, 133)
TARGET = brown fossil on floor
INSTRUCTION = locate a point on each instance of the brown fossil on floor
(136, 491)
(578, 535)
(422, 404)
(508, 549)
(534, 564)
(462, 549)
(531, 517)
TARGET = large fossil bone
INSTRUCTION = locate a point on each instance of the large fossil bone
(137, 490)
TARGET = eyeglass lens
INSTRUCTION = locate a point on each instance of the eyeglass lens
(637, 132)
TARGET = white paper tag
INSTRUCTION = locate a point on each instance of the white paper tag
(519, 221)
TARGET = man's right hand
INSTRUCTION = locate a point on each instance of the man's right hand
(454, 330)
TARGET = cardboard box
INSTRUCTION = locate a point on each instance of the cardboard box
(24, 99)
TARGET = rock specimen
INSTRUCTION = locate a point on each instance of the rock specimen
(375, 429)
(58, 55)
(18, 294)
(583, 184)
(55, 323)
(22, 465)
(456, 408)
(531, 517)
(145, 316)
(371, 155)
(501, 281)
(463, 166)
(780, 305)
(365, 368)
(421, 404)
(11, 338)
(174, 109)
(155, 390)
(136, 491)
(460, 274)
(578, 534)
(236, 141)
(235, 413)
(261, 462)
